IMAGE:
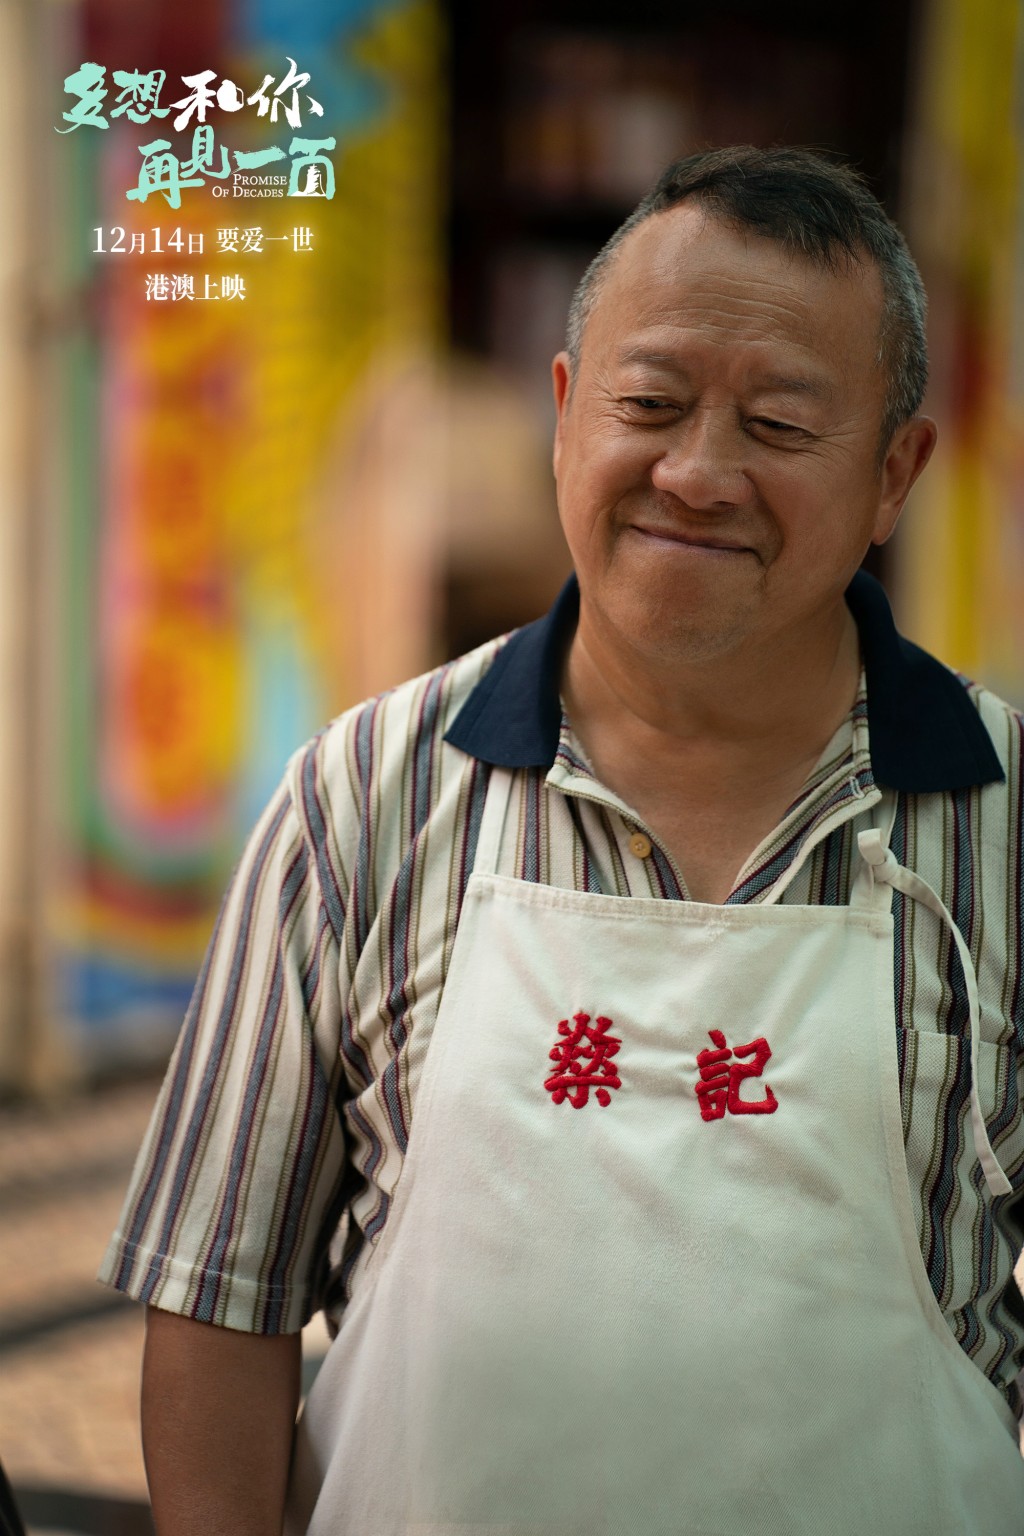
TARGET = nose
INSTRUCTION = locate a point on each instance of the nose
(703, 461)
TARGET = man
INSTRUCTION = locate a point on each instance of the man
(645, 988)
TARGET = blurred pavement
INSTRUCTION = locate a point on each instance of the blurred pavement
(70, 1349)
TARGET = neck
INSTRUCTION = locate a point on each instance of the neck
(781, 700)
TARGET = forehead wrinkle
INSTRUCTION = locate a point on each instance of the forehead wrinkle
(765, 263)
(769, 320)
(641, 354)
(775, 282)
(784, 290)
(747, 316)
(812, 385)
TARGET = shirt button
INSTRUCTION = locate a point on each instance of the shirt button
(640, 844)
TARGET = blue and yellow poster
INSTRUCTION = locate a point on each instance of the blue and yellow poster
(251, 224)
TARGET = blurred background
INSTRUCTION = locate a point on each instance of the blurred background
(263, 456)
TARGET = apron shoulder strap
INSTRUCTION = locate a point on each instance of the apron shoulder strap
(881, 874)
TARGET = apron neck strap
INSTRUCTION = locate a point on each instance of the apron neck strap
(871, 892)
(879, 876)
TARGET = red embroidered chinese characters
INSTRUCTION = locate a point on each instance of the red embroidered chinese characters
(583, 1059)
(720, 1078)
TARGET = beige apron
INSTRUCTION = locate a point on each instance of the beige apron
(652, 1267)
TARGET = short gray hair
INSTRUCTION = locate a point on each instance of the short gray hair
(809, 204)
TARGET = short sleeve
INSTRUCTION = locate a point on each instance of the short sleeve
(236, 1190)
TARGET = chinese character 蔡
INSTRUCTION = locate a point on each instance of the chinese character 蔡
(720, 1078)
(583, 1060)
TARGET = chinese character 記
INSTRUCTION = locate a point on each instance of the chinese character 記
(721, 1078)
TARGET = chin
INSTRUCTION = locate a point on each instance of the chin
(683, 638)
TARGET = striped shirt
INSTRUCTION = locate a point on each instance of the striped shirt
(275, 1149)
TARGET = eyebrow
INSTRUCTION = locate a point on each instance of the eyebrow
(783, 384)
(773, 383)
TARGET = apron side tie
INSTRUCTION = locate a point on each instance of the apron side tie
(886, 869)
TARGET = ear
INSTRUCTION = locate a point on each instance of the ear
(560, 379)
(905, 458)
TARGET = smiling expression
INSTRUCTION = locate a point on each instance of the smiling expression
(717, 454)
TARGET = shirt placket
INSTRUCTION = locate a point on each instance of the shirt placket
(844, 795)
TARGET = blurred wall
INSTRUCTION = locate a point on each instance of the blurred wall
(15, 605)
(207, 360)
(960, 566)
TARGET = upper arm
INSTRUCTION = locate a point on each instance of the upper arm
(235, 1192)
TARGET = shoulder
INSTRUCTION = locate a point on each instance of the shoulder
(1005, 727)
(380, 739)
(370, 779)
(986, 822)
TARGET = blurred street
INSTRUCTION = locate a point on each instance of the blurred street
(69, 1348)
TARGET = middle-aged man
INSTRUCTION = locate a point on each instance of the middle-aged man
(644, 990)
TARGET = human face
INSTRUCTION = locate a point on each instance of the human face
(717, 456)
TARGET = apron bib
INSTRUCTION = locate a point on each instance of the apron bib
(651, 1266)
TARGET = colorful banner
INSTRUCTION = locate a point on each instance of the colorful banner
(961, 547)
(252, 254)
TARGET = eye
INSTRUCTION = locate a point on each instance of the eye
(648, 403)
(778, 428)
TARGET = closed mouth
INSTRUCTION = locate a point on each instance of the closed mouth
(693, 540)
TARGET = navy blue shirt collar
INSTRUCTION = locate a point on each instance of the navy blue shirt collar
(924, 732)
